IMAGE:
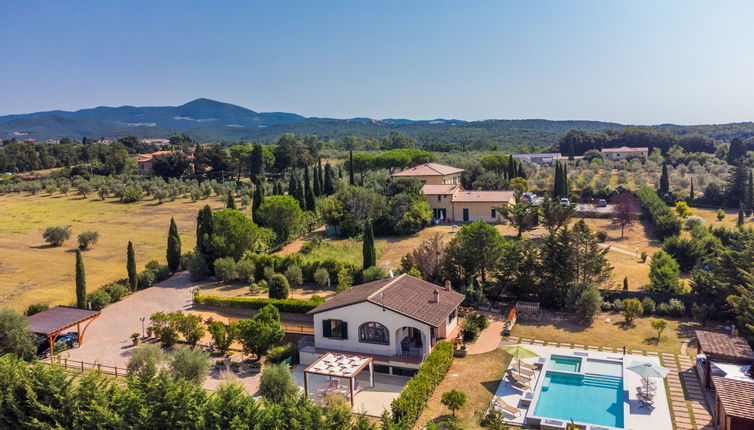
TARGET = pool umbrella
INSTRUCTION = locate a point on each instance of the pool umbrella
(519, 352)
(648, 370)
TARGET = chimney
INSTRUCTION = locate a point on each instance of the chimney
(447, 285)
(436, 293)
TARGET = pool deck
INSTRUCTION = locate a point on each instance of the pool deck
(636, 418)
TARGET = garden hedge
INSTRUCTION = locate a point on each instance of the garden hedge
(663, 219)
(308, 268)
(293, 306)
(413, 398)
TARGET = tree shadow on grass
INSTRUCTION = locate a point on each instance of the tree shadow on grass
(651, 340)
(560, 320)
(45, 246)
(623, 325)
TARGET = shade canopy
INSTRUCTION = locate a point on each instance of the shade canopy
(648, 370)
(519, 351)
(53, 321)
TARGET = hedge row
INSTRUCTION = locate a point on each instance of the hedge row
(413, 398)
(308, 268)
(663, 219)
(293, 306)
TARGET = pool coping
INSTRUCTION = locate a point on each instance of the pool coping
(583, 355)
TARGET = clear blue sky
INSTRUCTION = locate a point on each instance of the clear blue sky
(630, 61)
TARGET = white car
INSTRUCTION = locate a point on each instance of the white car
(565, 202)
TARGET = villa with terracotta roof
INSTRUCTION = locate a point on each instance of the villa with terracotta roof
(451, 203)
(145, 162)
(396, 321)
(624, 152)
(432, 174)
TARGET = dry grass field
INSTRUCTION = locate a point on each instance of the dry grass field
(32, 272)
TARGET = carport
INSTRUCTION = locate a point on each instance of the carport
(52, 322)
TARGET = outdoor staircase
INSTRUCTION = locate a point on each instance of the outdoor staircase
(605, 381)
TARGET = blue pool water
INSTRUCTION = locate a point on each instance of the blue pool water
(590, 398)
(565, 363)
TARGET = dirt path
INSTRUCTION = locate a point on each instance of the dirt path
(296, 245)
(489, 338)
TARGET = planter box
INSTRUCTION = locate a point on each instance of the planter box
(460, 353)
(509, 326)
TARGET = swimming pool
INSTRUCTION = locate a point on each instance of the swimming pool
(565, 363)
(591, 398)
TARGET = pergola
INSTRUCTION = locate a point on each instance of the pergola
(52, 322)
(340, 365)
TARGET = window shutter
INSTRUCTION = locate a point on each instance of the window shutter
(326, 329)
(344, 330)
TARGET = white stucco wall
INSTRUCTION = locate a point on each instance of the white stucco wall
(360, 313)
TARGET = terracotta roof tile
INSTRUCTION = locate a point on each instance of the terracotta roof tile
(440, 189)
(429, 169)
(403, 294)
(737, 397)
(724, 347)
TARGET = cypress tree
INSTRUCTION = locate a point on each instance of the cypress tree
(740, 222)
(340, 172)
(369, 252)
(204, 231)
(299, 194)
(328, 188)
(133, 282)
(691, 191)
(749, 201)
(292, 186)
(625, 283)
(80, 281)
(571, 154)
(173, 253)
(258, 198)
(557, 188)
(317, 188)
(231, 201)
(664, 181)
(320, 172)
(308, 193)
(351, 180)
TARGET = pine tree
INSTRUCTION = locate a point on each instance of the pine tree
(740, 222)
(749, 201)
(80, 281)
(309, 202)
(351, 180)
(664, 181)
(328, 188)
(369, 252)
(737, 183)
(231, 201)
(173, 253)
(317, 188)
(133, 282)
(691, 191)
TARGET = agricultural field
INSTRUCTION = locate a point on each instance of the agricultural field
(33, 272)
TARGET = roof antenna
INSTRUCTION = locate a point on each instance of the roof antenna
(382, 299)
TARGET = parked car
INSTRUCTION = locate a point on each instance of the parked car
(64, 341)
(565, 202)
(602, 203)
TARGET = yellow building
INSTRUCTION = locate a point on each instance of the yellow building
(432, 174)
(451, 203)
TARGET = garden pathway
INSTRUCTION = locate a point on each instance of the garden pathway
(688, 403)
(489, 338)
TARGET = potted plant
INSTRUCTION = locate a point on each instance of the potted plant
(510, 322)
(460, 351)
(150, 331)
(135, 338)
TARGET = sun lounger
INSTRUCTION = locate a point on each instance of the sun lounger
(501, 405)
(524, 365)
(523, 379)
(526, 373)
(521, 385)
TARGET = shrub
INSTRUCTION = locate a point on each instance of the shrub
(693, 221)
(662, 309)
(345, 280)
(197, 266)
(295, 306)
(133, 194)
(278, 287)
(321, 277)
(225, 269)
(280, 353)
(245, 270)
(720, 214)
(407, 407)
(277, 383)
(55, 236)
(702, 312)
(99, 299)
(144, 356)
(87, 239)
(587, 304)
(269, 272)
(190, 364)
(373, 273)
(473, 324)
(602, 236)
(676, 308)
(116, 290)
(663, 219)
(649, 305)
(294, 275)
(644, 256)
(618, 305)
(631, 309)
(145, 279)
(454, 400)
(35, 309)
(607, 306)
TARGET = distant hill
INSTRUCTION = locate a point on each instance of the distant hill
(212, 121)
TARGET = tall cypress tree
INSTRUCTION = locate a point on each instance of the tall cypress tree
(320, 173)
(133, 281)
(664, 181)
(749, 201)
(566, 185)
(369, 253)
(351, 180)
(204, 231)
(80, 281)
(328, 188)
(299, 194)
(557, 186)
(691, 191)
(230, 201)
(309, 203)
(317, 188)
(258, 198)
(740, 222)
(292, 186)
(173, 253)
(571, 153)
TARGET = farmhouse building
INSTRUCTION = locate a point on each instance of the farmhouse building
(451, 203)
(145, 162)
(624, 152)
(432, 174)
(396, 321)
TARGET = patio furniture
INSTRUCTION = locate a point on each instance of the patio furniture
(527, 373)
(333, 386)
(520, 384)
(356, 390)
(525, 365)
(500, 404)
(519, 352)
(528, 310)
(526, 399)
(649, 385)
(645, 398)
(519, 378)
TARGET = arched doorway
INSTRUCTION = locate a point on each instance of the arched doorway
(411, 341)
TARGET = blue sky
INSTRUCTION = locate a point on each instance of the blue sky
(640, 62)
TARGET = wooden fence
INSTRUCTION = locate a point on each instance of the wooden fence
(82, 366)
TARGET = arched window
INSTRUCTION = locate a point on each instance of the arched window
(373, 332)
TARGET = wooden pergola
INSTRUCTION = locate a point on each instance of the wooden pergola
(339, 365)
(52, 322)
